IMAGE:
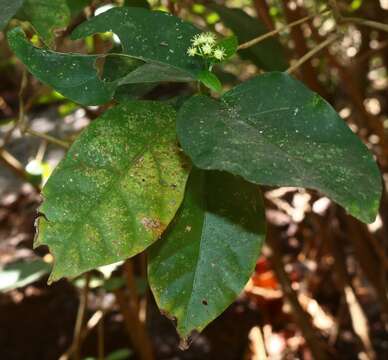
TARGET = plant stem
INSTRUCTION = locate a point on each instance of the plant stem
(135, 329)
(94, 320)
(312, 53)
(277, 31)
(80, 318)
(370, 23)
(47, 137)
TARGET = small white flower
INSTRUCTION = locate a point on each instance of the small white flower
(219, 53)
(208, 38)
(197, 40)
(207, 49)
(192, 51)
(204, 38)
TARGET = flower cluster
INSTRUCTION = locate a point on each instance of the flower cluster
(204, 45)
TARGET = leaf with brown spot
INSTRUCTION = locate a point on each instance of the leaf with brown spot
(101, 203)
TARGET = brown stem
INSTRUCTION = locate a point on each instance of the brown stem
(309, 55)
(135, 329)
(364, 22)
(262, 10)
(131, 285)
(277, 31)
(316, 346)
(80, 318)
(49, 138)
(130, 309)
(91, 324)
(15, 166)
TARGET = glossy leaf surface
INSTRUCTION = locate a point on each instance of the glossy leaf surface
(206, 257)
(157, 38)
(272, 130)
(210, 80)
(151, 36)
(73, 75)
(116, 191)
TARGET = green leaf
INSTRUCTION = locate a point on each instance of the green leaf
(272, 130)
(210, 80)
(157, 38)
(46, 16)
(151, 36)
(269, 54)
(133, 91)
(207, 255)
(154, 73)
(137, 3)
(116, 191)
(117, 67)
(73, 75)
(22, 273)
(8, 9)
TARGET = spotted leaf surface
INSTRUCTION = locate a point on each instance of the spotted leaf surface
(151, 36)
(116, 191)
(272, 130)
(73, 75)
(157, 38)
(206, 257)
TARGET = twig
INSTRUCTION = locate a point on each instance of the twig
(312, 53)
(15, 166)
(94, 320)
(47, 137)
(364, 22)
(80, 318)
(20, 120)
(279, 30)
(308, 73)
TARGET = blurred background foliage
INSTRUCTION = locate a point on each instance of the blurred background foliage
(322, 290)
